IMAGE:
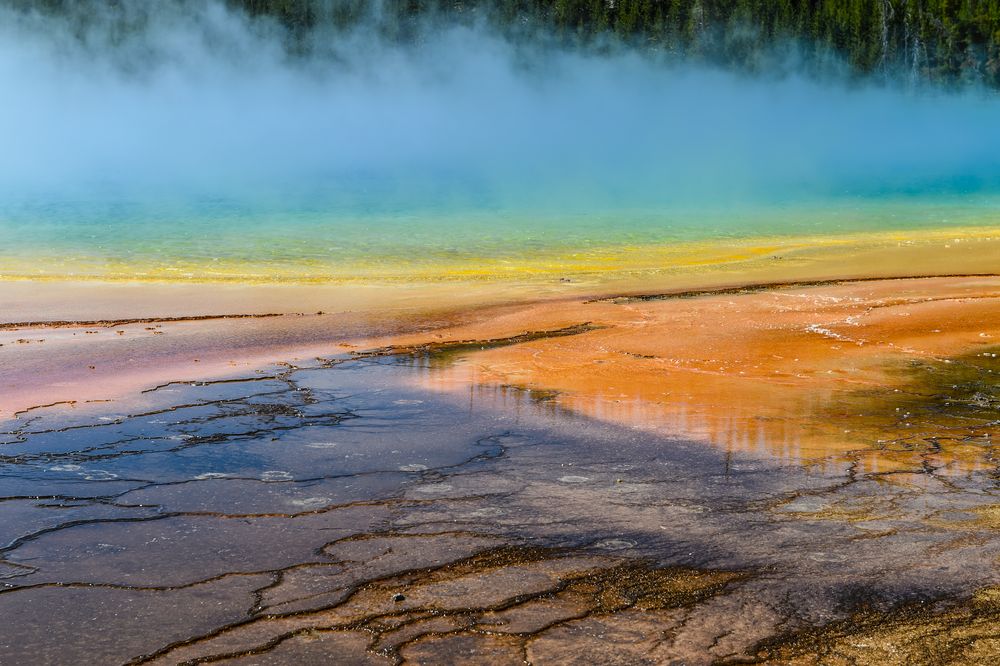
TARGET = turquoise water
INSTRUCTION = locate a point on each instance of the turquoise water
(326, 238)
(194, 147)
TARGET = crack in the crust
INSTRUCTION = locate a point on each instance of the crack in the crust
(378, 535)
(610, 588)
(24, 411)
(145, 588)
(612, 575)
(258, 592)
(389, 502)
(27, 538)
(156, 412)
(352, 589)
(452, 347)
(496, 451)
(246, 406)
(752, 288)
(216, 382)
(110, 323)
(190, 441)
(282, 377)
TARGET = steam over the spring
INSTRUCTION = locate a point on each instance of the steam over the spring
(201, 100)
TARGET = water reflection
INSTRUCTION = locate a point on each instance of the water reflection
(890, 382)
(341, 509)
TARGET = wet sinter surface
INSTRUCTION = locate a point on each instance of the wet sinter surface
(337, 514)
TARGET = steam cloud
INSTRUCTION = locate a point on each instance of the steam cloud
(202, 100)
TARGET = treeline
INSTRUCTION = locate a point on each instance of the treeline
(950, 42)
(945, 41)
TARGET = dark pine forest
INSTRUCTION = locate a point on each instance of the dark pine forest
(947, 42)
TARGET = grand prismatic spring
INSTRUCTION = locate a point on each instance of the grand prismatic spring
(336, 332)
